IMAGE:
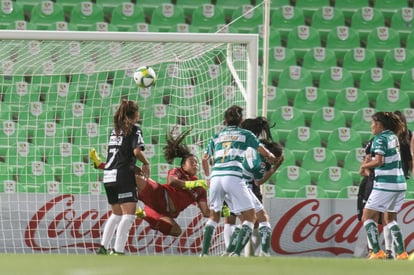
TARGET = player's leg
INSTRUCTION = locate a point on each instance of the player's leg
(265, 231)
(162, 223)
(109, 229)
(370, 218)
(122, 232)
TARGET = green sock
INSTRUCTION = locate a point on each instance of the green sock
(242, 238)
(207, 236)
(265, 232)
(233, 240)
(397, 238)
(373, 236)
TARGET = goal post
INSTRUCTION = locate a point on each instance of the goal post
(58, 94)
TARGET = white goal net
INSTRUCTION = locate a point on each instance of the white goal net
(58, 94)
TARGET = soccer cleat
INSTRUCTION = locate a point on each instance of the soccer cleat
(380, 255)
(93, 155)
(234, 254)
(102, 251)
(369, 253)
(114, 253)
(388, 254)
(203, 255)
(264, 254)
(411, 257)
(225, 254)
(140, 213)
(402, 256)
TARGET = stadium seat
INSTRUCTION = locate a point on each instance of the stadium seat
(68, 5)
(28, 4)
(10, 132)
(229, 6)
(409, 116)
(389, 7)
(33, 177)
(318, 60)
(63, 154)
(311, 192)
(85, 15)
(402, 22)
(327, 18)
(293, 79)
(7, 179)
(46, 82)
(275, 98)
(32, 113)
(392, 99)
(365, 20)
(289, 159)
(361, 122)
(279, 59)
(325, 120)
(343, 139)
(375, 80)
(286, 19)
(247, 16)
(350, 100)
(126, 15)
(310, 99)
(286, 119)
(397, 62)
(302, 39)
(189, 6)
(316, 159)
(352, 163)
(382, 40)
(300, 139)
(309, 7)
(109, 5)
(291, 179)
(166, 16)
(46, 13)
(22, 93)
(349, 7)
(207, 17)
(78, 177)
(334, 80)
(359, 60)
(10, 12)
(47, 133)
(341, 40)
(348, 192)
(333, 179)
(407, 83)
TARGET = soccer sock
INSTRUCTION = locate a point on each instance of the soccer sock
(123, 232)
(233, 239)
(265, 232)
(372, 234)
(208, 236)
(255, 243)
(387, 238)
(109, 229)
(243, 236)
(227, 231)
(397, 236)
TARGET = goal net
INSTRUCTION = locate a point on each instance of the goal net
(59, 91)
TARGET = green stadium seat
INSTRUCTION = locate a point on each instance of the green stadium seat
(375, 80)
(85, 15)
(402, 22)
(289, 159)
(407, 83)
(316, 159)
(207, 17)
(389, 7)
(11, 132)
(47, 133)
(189, 5)
(326, 119)
(310, 99)
(229, 6)
(247, 16)
(365, 20)
(28, 5)
(63, 154)
(22, 93)
(109, 5)
(279, 59)
(348, 192)
(361, 122)
(286, 19)
(78, 178)
(277, 4)
(300, 139)
(46, 82)
(22, 153)
(382, 40)
(309, 7)
(10, 12)
(311, 192)
(291, 179)
(333, 179)
(302, 39)
(275, 98)
(68, 5)
(350, 100)
(286, 119)
(409, 117)
(343, 139)
(166, 16)
(77, 115)
(359, 60)
(334, 80)
(341, 40)
(126, 15)
(318, 60)
(327, 18)
(392, 99)
(32, 113)
(45, 14)
(7, 179)
(353, 161)
(33, 177)
(293, 79)
(6, 114)
(349, 7)
(397, 62)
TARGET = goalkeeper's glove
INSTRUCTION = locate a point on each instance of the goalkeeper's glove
(196, 183)
(225, 211)
(96, 160)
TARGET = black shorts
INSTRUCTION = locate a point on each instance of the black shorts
(123, 190)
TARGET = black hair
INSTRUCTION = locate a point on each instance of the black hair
(175, 148)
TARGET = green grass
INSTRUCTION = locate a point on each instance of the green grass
(12, 264)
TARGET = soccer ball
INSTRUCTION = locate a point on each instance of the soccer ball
(145, 77)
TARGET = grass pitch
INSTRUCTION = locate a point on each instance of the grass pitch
(16, 264)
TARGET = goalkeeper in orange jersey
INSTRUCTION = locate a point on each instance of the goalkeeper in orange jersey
(164, 202)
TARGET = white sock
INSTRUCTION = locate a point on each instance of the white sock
(109, 229)
(227, 231)
(123, 232)
(255, 242)
(387, 238)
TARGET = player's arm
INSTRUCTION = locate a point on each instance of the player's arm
(375, 162)
(271, 171)
(205, 164)
(268, 156)
(139, 154)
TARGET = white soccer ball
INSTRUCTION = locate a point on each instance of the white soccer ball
(145, 77)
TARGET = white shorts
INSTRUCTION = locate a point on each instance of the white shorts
(234, 190)
(258, 206)
(385, 201)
